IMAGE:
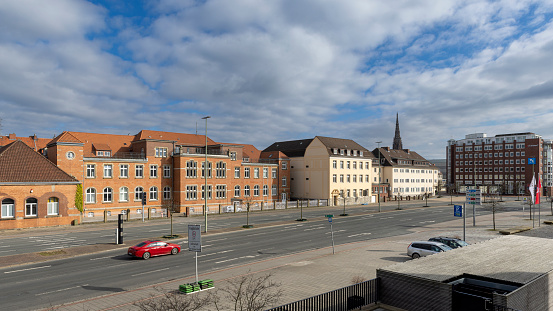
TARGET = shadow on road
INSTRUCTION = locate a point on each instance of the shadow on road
(103, 289)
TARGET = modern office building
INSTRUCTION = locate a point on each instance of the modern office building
(503, 164)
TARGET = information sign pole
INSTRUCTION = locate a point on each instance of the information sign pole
(464, 222)
(195, 242)
(331, 231)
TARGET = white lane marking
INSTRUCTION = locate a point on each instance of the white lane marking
(232, 259)
(150, 271)
(105, 236)
(430, 221)
(409, 219)
(157, 230)
(10, 250)
(218, 240)
(221, 252)
(101, 258)
(5, 246)
(61, 290)
(42, 267)
(366, 233)
(316, 228)
(334, 231)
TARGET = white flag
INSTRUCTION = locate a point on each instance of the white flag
(532, 189)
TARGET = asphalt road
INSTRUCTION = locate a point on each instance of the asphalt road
(51, 283)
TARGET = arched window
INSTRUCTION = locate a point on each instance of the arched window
(256, 190)
(246, 191)
(265, 190)
(138, 193)
(53, 206)
(167, 193)
(123, 194)
(108, 194)
(236, 191)
(153, 193)
(30, 207)
(8, 208)
(90, 195)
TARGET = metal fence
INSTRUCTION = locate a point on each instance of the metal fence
(346, 298)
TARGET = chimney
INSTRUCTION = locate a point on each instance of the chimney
(11, 136)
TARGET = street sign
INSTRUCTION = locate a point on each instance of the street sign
(531, 160)
(458, 210)
(329, 216)
(474, 196)
(194, 238)
(329, 219)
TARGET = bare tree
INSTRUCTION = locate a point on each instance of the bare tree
(174, 301)
(247, 293)
(494, 201)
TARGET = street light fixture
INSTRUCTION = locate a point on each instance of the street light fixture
(205, 175)
(378, 189)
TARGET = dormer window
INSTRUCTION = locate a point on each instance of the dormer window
(100, 153)
(341, 151)
(360, 153)
(335, 150)
(349, 152)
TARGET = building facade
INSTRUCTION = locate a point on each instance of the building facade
(334, 169)
(501, 164)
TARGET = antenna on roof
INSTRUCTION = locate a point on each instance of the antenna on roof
(196, 127)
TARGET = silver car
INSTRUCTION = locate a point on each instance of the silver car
(425, 248)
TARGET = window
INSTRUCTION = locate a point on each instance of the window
(53, 207)
(354, 165)
(153, 171)
(107, 194)
(256, 190)
(256, 172)
(341, 177)
(167, 171)
(334, 164)
(284, 165)
(161, 152)
(354, 178)
(30, 207)
(265, 172)
(209, 192)
(221, 191)
(367, 165)
(139, 171)
(123, 194)
(191, 192)
(8, 208)
(274, 190)
(341, 164)
(90, 171)
(246, 172)
(237, 172)
(153, 193)
(233, 156)
(348, 178)
(246, 191)
(221, 169)
(138, 193)
(124, 171)
(274, 173)
(208, 169)
(265, 190)
(90, 195)
(191, 169)
(284, 181)
(236, 191)
(167, 193)
(348, 165)
(334, 178)
(108, 171)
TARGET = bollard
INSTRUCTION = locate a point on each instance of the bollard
(128, 213)
(149, 213)
(105, 216)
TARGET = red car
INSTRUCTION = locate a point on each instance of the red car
(148, 249)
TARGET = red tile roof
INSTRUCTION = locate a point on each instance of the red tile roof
(117, 143)
(66, 137)
(19, 163)
(32, 141)
(180, 138)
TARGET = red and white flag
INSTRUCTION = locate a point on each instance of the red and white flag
(538, 191)
(532, 188)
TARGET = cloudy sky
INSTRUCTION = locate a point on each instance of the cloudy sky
(277, 70)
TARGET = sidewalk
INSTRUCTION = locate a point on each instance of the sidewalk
(318, 271)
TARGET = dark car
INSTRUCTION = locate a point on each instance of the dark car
(451, 242)
(148, 249)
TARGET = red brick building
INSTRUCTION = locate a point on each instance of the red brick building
(33, 191)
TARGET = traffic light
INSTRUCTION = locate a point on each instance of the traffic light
(143, 198)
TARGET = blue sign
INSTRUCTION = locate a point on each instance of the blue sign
(458, 210)
(531, 160)
(329, 219)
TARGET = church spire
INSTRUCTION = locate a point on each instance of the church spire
(397, 138)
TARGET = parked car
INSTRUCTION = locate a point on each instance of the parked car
(148, 249)
(425, 248)
(451, 242)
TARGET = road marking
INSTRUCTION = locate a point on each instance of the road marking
(334, 231)
(101, 258)
(366, 233)
(157, 230)
(150, 271)
(11, 250)
(423, 222)
(316, 228)
(5, 246)
(27, 269)
(217, 240)
(61, 290)
(232, 259)
(221, 252)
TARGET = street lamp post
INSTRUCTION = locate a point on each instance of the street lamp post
(378, 187)
(205, 176)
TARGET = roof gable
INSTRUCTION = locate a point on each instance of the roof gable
(292, 148)
(21, 164)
